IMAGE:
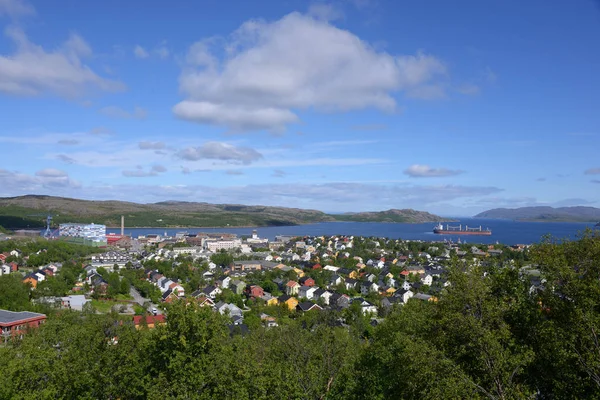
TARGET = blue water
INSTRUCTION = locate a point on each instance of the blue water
(503, 231)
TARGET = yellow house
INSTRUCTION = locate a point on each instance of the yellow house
(390, 291)
(360, 265)
(353, 275)
(291, 303)
(299, 272)
(272, 301)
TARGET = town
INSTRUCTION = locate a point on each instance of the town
(253, 281)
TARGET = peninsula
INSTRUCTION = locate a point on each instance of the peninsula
(30, 211)
(544, 214)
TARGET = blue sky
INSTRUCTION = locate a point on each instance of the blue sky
(342, 105)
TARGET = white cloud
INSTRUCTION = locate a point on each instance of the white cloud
(15, 8)
(326, 12)
(117, 112)
(44, 180)
(139, 172)
(145, 145)
(220, 151)
(234, 172)
(425, 171)
(140, 52)
(162, 51)
(31, 70)
(593, 171)
(279, 174)
(298, 62)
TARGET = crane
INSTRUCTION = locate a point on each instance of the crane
(48, 232)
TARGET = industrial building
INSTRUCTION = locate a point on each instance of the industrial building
(87, 234)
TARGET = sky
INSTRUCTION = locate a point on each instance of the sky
(335, 105)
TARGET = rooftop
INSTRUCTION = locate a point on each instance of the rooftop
(10, 317)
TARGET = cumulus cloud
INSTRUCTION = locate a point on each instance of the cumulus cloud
(297, 62)
(117, 112)
(140, 52)
(592, 171)
(145, 145)
(425, 171)
(31, 70)
(220, 151)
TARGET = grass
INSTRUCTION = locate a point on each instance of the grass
(124, 297)
(105, 306)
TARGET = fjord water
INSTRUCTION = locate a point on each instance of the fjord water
(503, 231)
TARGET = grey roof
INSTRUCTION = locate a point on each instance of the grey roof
(9, 317)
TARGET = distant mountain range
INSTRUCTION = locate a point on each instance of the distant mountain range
(393, 215)
(545, 214)
(30, 210)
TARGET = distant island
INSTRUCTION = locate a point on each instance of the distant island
(29, 212)
(544, 214)
(393, 215)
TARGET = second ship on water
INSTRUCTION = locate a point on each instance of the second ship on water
(458, 230)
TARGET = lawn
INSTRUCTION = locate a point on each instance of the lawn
(104, 306)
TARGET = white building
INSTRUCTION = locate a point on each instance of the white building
(224, 244)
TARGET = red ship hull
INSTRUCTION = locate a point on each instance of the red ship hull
(477, 233)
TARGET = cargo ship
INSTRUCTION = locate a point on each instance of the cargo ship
(458, 230)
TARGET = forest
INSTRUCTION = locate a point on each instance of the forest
(491, 335)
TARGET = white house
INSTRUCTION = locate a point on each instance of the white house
(426, 279)
(366, 307)
(307, 292)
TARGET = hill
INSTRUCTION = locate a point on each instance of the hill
(15, 212)
(393, 215)
(29, 211)
(544, 214)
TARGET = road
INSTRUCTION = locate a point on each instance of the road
(137, 297)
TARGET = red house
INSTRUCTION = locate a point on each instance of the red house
(317, 266)
(307, 281)
(255, 291)
(14, 267)
(16, 323)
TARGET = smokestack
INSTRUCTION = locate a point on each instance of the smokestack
(122, 225)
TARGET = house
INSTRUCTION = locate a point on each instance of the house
(426, 279)
(228, 308)
(255, 291)
(74, 302)
(4, 269)
(322, 295)
(290, 302)
(169, 296)
(339, 300)
(424, 297)
(237, 286)
(16, 323)
(404, 295)
(368, 287)
(268, 320)
(150, 321)
(350, 283)
(307, 281)
(32, 279)
(316, 266)
(269, 299)
(307, 292)
(335, 280)
(365, 306)
(406, 285)
(203, 300)
(212, 291)
(308, 306)
(223, 282)
(291, 288)
(16, 253)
